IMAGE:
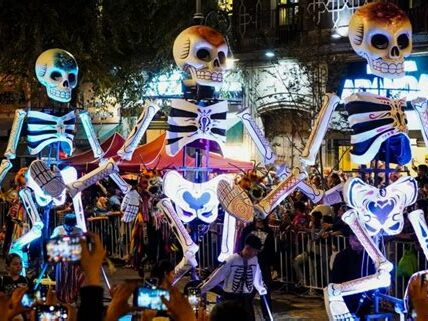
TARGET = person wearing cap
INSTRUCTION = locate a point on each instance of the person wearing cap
(240, 274)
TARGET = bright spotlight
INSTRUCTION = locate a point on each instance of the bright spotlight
(269, 54)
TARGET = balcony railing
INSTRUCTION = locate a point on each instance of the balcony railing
(256, 26)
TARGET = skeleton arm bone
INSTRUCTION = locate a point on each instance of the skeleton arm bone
(138, 131)
(90, 133)
(227, 237)
(216, 277)
(419, 224)
(319, 129)
(10, 152)
(257, 136)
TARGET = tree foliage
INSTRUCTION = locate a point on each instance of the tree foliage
(118, 43)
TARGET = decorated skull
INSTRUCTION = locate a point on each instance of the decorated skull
(382, 34)
(57, 70)
(201, 51)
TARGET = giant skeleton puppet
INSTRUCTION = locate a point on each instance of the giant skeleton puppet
(46, 184)
(382, 34)
(199, 122)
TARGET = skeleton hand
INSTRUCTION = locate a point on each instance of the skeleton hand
(130, 206)
(50, 182)
(235, 201)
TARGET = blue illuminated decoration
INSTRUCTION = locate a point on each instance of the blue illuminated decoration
(414, 84)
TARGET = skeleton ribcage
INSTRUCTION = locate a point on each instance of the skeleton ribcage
(243, 277)
(45, 129)
(376, 120)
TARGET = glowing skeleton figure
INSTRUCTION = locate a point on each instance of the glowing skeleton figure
(57, 70)
(381, 33)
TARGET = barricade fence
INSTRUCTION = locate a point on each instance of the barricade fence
(302, 258)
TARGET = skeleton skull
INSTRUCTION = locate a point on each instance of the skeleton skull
(57, 70)
(382, 34)
(151, 181)
(201, 51)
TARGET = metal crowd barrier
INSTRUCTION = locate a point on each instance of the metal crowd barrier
(301, 258)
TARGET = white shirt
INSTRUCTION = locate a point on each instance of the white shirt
(232, 273)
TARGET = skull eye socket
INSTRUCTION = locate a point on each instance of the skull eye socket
(403, 41)
(380, 41)
(56, 75)
(222, 57)
(203, 54)
(72, 79)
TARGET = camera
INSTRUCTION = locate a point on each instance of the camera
(194, 297)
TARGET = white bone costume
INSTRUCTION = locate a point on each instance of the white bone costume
(240, 276)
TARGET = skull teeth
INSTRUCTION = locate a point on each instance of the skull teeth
(388, 67)
(207, 75)
(60, 94)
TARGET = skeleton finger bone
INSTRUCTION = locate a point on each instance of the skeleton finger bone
(138, 131)
(15, 134)
(130, 206)
(92, 177)
(50, 182)
(279, 193)
(319, 129)
(257, 136)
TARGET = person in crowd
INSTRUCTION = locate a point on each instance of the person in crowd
(333, 180)
(421, 173)
(229, 310)
(266, 256)
(241, 274)
(350, 264)
(300, 219)
(68, 276)
(302, 258)
(115, 200)
(13, 279)
(163, 272)
(418, 289)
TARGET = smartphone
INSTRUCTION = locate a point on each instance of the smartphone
(64, 249)
(194, 297)
(150, 298)
(28, 300)
(51, 313)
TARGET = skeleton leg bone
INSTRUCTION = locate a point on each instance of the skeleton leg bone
(417, 219)
(319, 129)
(189, 247)
(333, 293)
(257, 136)
(138, 131)
(37, 224)
(69, 175)
(227, 237)
(279, 193)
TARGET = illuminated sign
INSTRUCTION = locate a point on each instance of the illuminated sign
(414, 84)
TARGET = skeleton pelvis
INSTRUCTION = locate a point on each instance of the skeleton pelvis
(193, 199)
